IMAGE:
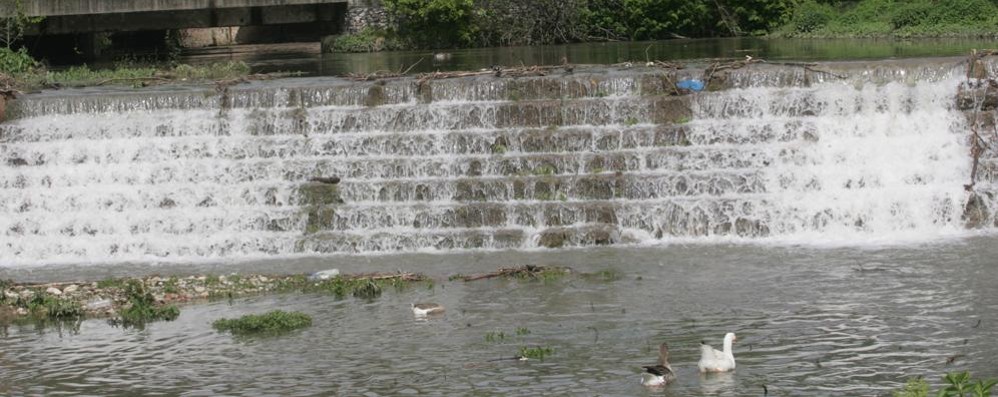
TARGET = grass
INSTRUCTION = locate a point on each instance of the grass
(142, 307)
(498, 148)
(45, 305)
(888, 18)
(129, 75)
(273, 322)
(112, 283)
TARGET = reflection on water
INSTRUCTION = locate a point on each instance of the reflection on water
(307, 58)
(809, 322)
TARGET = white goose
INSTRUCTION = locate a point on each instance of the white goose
(713, 360)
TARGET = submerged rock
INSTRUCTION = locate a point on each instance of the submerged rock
(332, 180)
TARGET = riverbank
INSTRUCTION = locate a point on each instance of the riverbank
(109, 297)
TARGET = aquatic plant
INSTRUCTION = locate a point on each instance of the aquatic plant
(537, 353)
(495, 336)
(272, 322)
(916, 387)
(603, 275)
(142, 307)
(520, 331)
(958, 384)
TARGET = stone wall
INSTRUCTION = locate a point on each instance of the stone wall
(369, 15)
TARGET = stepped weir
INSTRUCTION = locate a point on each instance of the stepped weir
(851, 152)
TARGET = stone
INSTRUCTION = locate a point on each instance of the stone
(53, 291)
(22, 311)
(70, 289)
(264, 279)
(975, 212)
(11, 294)
(553, 238)
(199, 289)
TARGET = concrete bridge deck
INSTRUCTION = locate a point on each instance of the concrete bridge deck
(50, 8)
(88, 16)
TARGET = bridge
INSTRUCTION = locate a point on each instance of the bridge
(90, 16)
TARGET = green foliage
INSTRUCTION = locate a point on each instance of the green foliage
(435, 23)
(368, 40)
(958, 384)
(142, 307)
(810, 16)
(273, 322)
(81, 76)
(520, 331)
(890, 18)
(537, 353)
(15, 62)
(916, 387)
(495, 336)
(45, 305)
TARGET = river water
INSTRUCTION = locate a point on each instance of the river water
(809, 322)
(822, 219)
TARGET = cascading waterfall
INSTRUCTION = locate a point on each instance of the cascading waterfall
(598, 157)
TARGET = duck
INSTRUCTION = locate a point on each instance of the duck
(661, 374)
(425, 309)
(713, 360)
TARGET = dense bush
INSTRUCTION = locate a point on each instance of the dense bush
(15, 62)
(810, 16)
(434, 23)
(889, 18)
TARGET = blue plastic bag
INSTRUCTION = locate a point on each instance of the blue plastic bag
(690, 84)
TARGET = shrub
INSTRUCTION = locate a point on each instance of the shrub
(434, 23)
(811, 16)
(272, 322)
(15, 62)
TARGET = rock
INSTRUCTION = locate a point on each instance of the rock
(159, 297)
(70, 289)
(264, 279)
(27, 294)
(22, 311)
(332, 180)
(53, 291)
(200, 289)
(324, 274)
(11, 294)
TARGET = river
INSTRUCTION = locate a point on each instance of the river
(820, 213)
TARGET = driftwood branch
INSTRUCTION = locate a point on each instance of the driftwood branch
(526, 271)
